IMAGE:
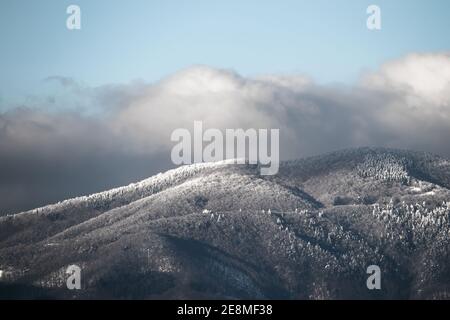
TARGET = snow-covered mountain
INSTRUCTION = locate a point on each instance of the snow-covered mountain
(222, 230)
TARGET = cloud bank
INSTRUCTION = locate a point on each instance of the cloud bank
(51, 151)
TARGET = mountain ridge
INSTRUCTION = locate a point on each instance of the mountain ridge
(326, 218)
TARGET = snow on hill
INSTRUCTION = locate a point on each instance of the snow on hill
(223, 231)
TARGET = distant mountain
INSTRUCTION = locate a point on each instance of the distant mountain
(220, 230)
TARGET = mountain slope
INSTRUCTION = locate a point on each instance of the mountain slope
(223, 231)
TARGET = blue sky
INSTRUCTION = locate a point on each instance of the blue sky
(121, 41)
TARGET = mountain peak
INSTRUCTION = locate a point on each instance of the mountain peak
(318, 223)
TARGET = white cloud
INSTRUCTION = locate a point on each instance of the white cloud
(406, 100)
(387, 107)
(425, 77)
(405, 104)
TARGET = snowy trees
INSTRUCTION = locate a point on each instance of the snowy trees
(385, 167)
(417, 223)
